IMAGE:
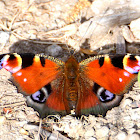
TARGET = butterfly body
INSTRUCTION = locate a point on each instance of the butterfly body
(54, 87)
(71, 74)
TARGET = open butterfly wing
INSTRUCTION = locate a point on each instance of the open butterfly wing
(103, 80)
(35, 76)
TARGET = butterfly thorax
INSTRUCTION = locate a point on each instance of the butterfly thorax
(71, 85)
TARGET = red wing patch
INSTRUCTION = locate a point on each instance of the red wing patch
(113, 78)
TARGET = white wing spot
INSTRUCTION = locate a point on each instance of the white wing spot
(126, 74)
(120, 79)
(25, 79)
(19, 73)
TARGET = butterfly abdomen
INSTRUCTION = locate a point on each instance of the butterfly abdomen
(71, 84)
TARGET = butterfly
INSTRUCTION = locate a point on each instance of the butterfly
(92, 86)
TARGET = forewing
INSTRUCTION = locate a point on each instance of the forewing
(116, 74)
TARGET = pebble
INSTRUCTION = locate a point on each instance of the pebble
(128, 124)
(133, 137)
(21, 115)
(135, 116)
(89, 133)
(4, 37)
(121, 136)
(30, 127)
(102, 132)
(126, 102)
(131, 130)
(135, 28)
(53, 50)
(32, 34)
(92, 119)
(136, 104)
(127, 118)
(23, 131)
(2, 119)
(21, 123)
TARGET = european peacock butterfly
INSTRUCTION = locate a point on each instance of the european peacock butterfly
(92, 86)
